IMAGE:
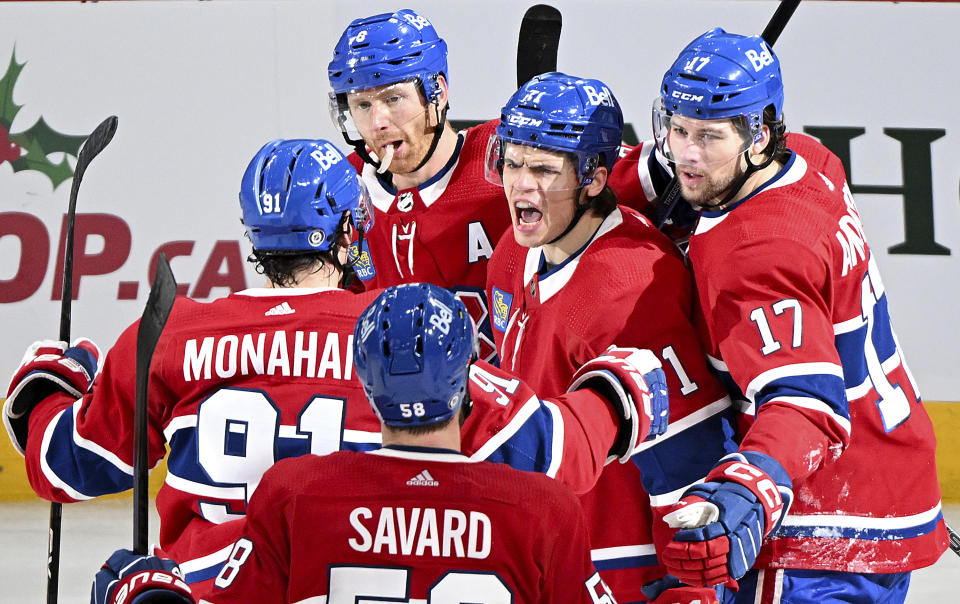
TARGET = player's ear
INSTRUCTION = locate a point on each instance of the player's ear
(760, 146)
(442, 98)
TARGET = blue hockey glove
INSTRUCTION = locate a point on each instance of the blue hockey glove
(48, 366)
(725, 519)
(128, 578)
(632, 380)
(669, 590)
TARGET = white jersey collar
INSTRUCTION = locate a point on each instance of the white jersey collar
(793, 171)
(383, 197)
(553, 282)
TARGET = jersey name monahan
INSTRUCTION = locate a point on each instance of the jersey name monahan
(421, 532)
(308, 354)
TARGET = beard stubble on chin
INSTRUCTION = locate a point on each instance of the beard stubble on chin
(711, 190)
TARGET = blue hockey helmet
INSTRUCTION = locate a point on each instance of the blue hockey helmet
(723, 75)
(411, 350)
(294, 193)
(386, 49)
(559, 112)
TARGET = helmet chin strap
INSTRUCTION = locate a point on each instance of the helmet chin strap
(437, 133)
(578, 212)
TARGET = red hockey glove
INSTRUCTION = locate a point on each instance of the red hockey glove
(725, 519)
(48, 366)
(128, 578)
(669, 590)
(632, 380)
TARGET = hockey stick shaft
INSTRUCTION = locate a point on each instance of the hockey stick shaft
(954, 538)
(95, 143)
(538, 42)
(778, 21)
(771, 33)
(155, 314)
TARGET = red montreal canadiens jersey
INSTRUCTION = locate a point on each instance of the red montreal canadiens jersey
(260, 375)
(627, 286)
(797, 315)
(235, 385)
(409, 525)
(441, 232)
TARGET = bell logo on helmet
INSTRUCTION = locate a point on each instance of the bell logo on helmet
(326, 156)
(417, 21)
(522, 120)
(442, 318)
(759, 59)
(686, 96)
(601, 97)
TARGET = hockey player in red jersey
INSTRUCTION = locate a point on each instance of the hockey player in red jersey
(578, 273)
(796, 316)
(265, 374)
(416, 520)
(236, 383)
(437, 218)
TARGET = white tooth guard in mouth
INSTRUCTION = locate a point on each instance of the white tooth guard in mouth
(387, 158)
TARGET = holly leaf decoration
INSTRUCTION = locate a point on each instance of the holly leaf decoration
(9, 109)
(37, 142)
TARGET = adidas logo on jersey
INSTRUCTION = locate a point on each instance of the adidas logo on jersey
(280, 309)
(423, 479)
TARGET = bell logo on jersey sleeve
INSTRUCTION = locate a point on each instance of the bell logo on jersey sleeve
(502, 301)
(362, 263)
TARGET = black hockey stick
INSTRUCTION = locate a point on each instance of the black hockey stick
(538, 42)
(771, 33)
(155, 313)
(95, 143)
(954, 538)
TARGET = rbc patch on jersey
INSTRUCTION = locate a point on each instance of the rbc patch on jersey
(362, 263)
(502, 301)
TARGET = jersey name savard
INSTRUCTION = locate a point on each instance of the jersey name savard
(421, 532)
(310, 354)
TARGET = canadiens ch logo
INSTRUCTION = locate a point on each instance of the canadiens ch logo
(502, 301)
(362, 264)
(30, 149)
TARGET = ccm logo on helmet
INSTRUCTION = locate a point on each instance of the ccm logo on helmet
(686, 96)
(327, 156)
(522, 120)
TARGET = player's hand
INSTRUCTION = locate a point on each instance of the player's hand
(669, 590)
(128, 578)
(47, 366)
(632, 380)
(725, 519)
